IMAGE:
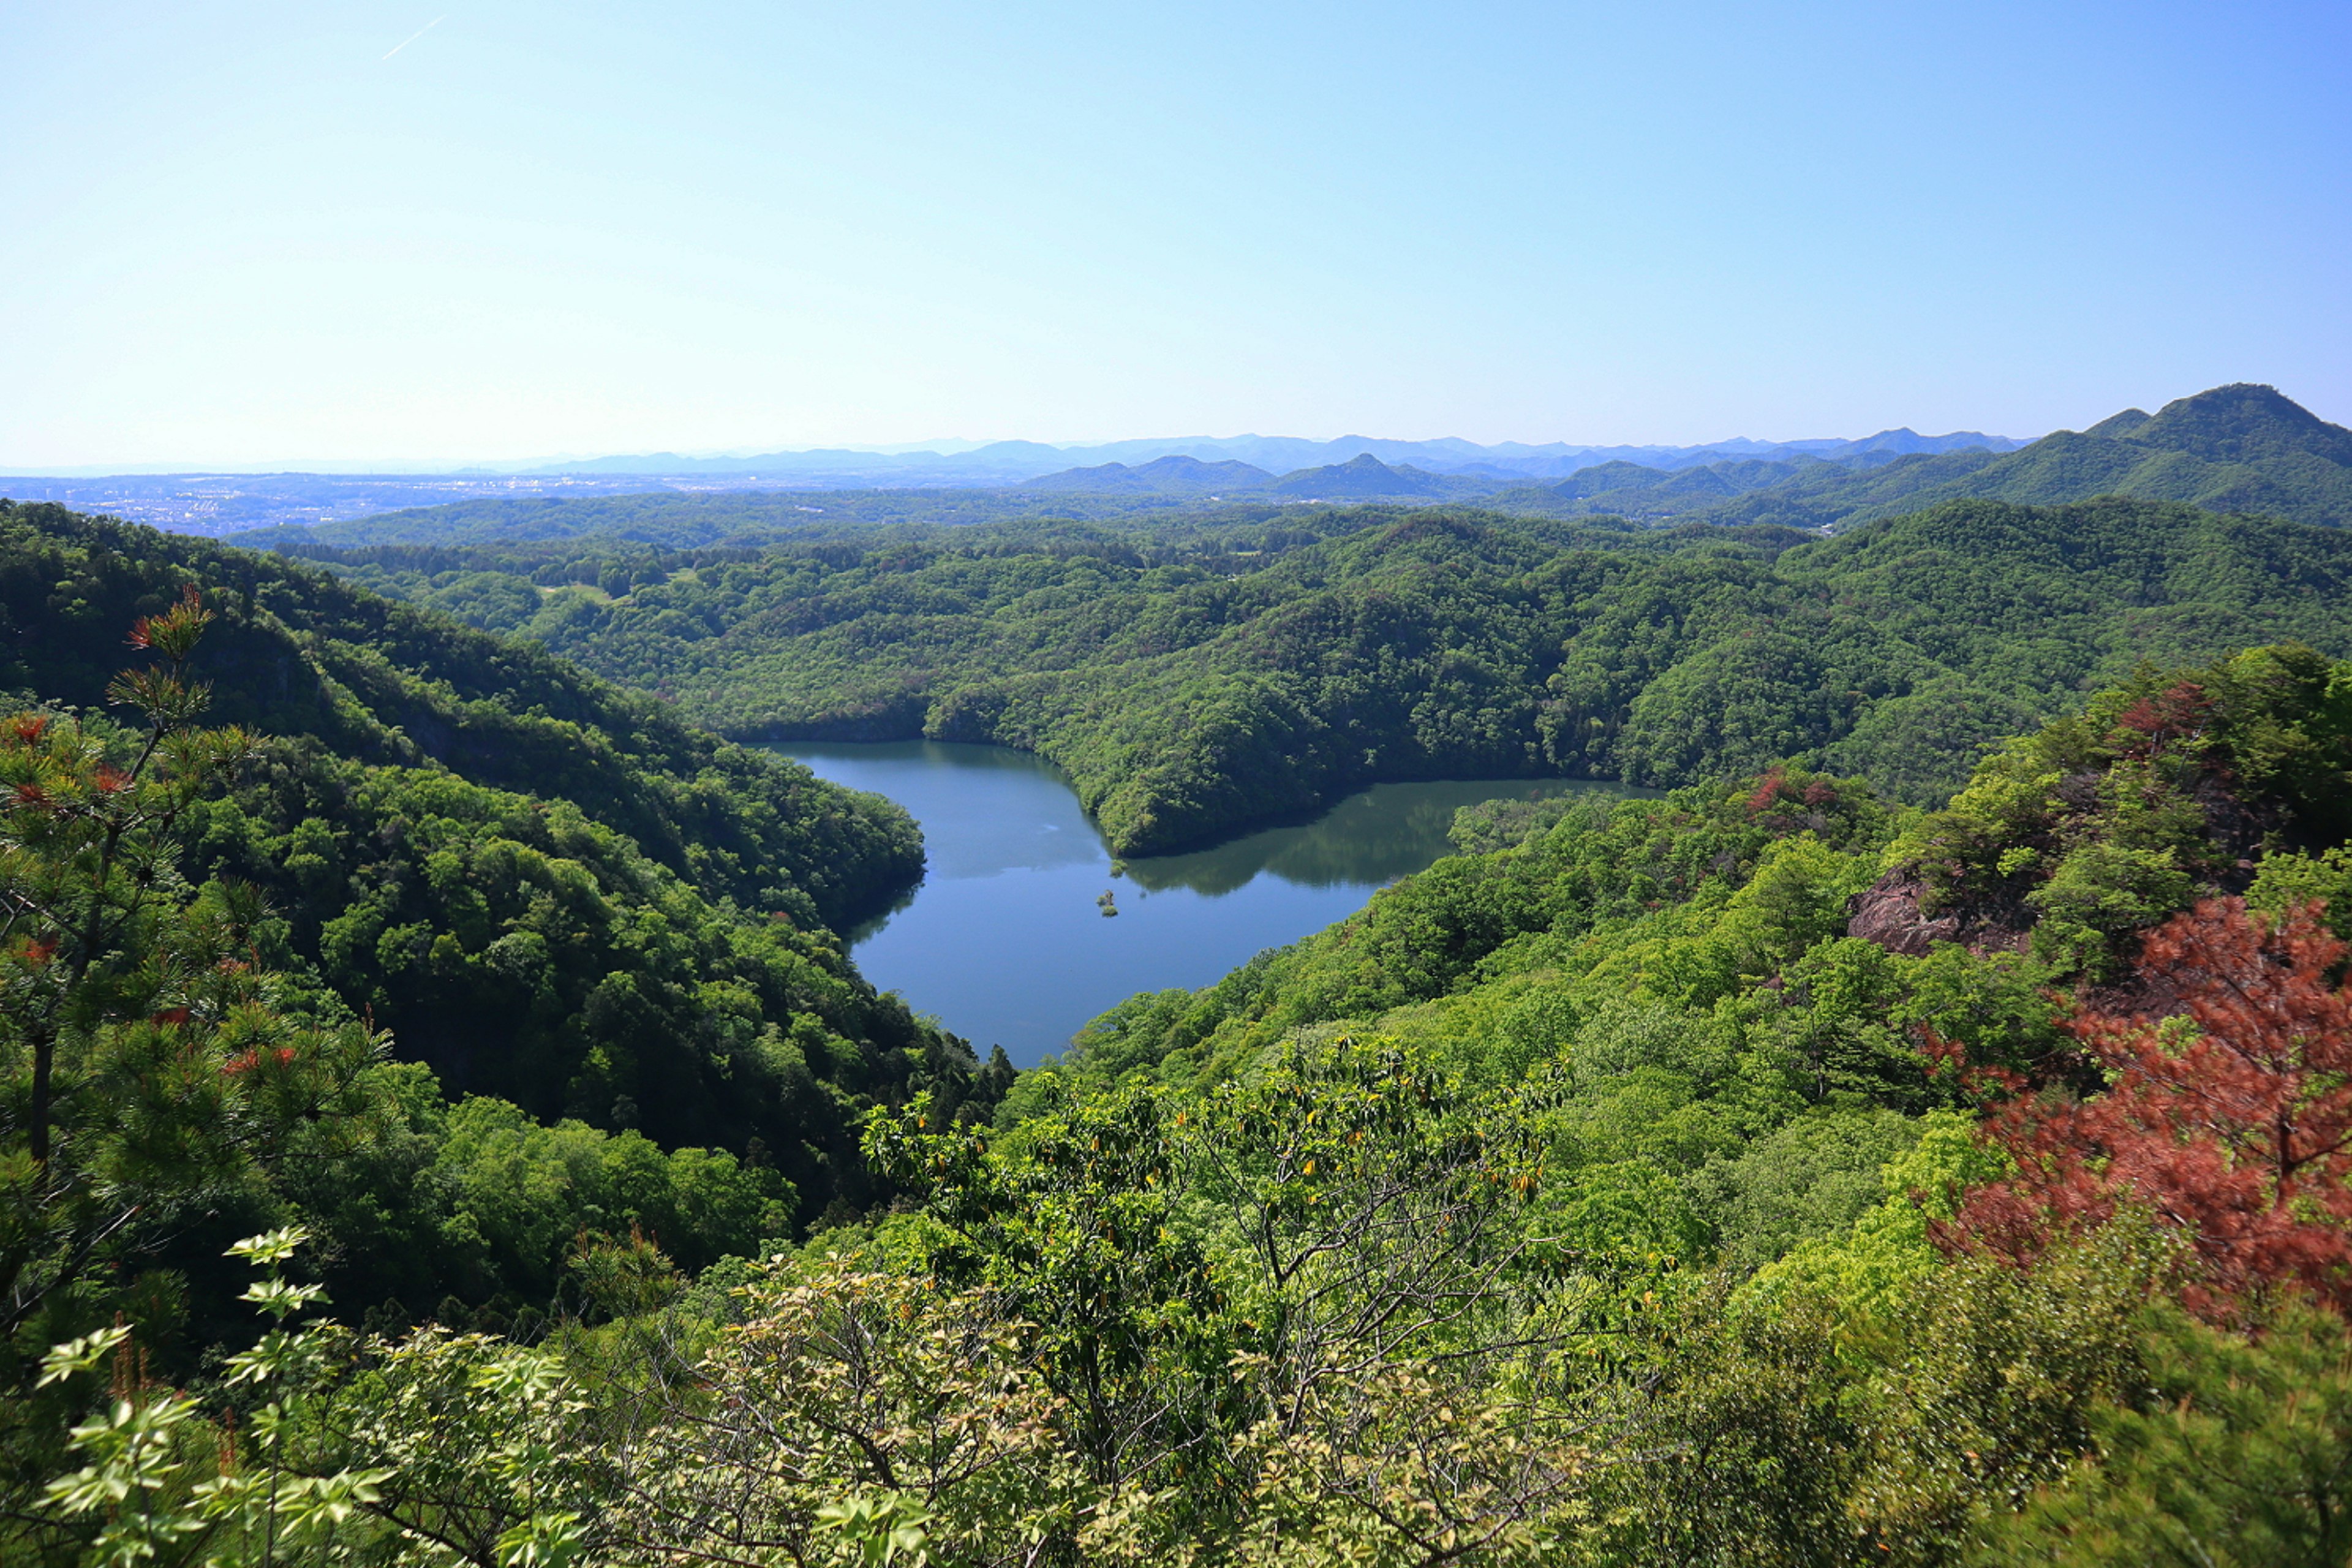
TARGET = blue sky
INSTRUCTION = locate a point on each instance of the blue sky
(239, 234)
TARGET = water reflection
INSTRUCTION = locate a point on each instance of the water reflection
(1006, 942)
(1369, 839)
(984, 809)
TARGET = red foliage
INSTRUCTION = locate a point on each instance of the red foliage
(27, 727)
(1770, 790)
(255, 1056)
(144, 630)
(2179, 711)
(2239, 1139)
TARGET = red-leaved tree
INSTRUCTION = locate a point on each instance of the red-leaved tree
(2236, 1135)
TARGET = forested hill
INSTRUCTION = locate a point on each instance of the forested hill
(2233, 448)
(547, 889)
(1761, 1175)
(1195, 677)
(300, 652)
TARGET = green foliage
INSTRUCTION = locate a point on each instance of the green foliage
(1871, 1265)
(1811, 1177)
(862, 1417)
(149, 1082)
(1493, 825)
(1578, 1201)
(519, 1192)
(1604, 869)
(526, 951)
(2284, 880)
(2238, 1453)
(2099, 892)
(1266, 1304)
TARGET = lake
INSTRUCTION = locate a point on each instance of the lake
(1005, 941)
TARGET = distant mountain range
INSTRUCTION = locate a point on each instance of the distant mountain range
(2242, 448)
(1181, 468)
(1037, 465)
(1169, 476)
(2234, 449)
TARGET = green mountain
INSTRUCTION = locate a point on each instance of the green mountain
(1801, 493)
(2233, 448)
(1765, 1173)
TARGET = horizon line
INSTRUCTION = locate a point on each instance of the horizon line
(944, 447)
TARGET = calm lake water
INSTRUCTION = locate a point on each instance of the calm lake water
(1005, 941)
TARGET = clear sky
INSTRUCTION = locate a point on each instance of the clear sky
(266, 233)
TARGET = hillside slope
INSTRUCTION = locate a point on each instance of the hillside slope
(549, 888)
(301, 652)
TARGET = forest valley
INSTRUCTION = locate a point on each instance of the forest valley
(1194, 676)
(441, 1124)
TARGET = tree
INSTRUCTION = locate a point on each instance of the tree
(148, 1083)
(857, 1408)
(143, 1066)
(2231, 1119)
(1312, 1314)
(2244, 1457)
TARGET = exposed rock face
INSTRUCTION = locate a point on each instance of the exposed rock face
(1888, 912)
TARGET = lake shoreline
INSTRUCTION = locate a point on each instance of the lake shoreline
(1005, 940)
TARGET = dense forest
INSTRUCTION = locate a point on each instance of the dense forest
(1770, 1173)
(604, 934)
(442, 1124)
(1195, 674)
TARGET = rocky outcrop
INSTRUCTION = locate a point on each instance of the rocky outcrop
(1888, 914)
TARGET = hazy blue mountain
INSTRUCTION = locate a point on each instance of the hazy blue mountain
(1173, 475)
(230, 503)
(1026, 462)
(2233, 448)
(1904, 441)
(1365, 476)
